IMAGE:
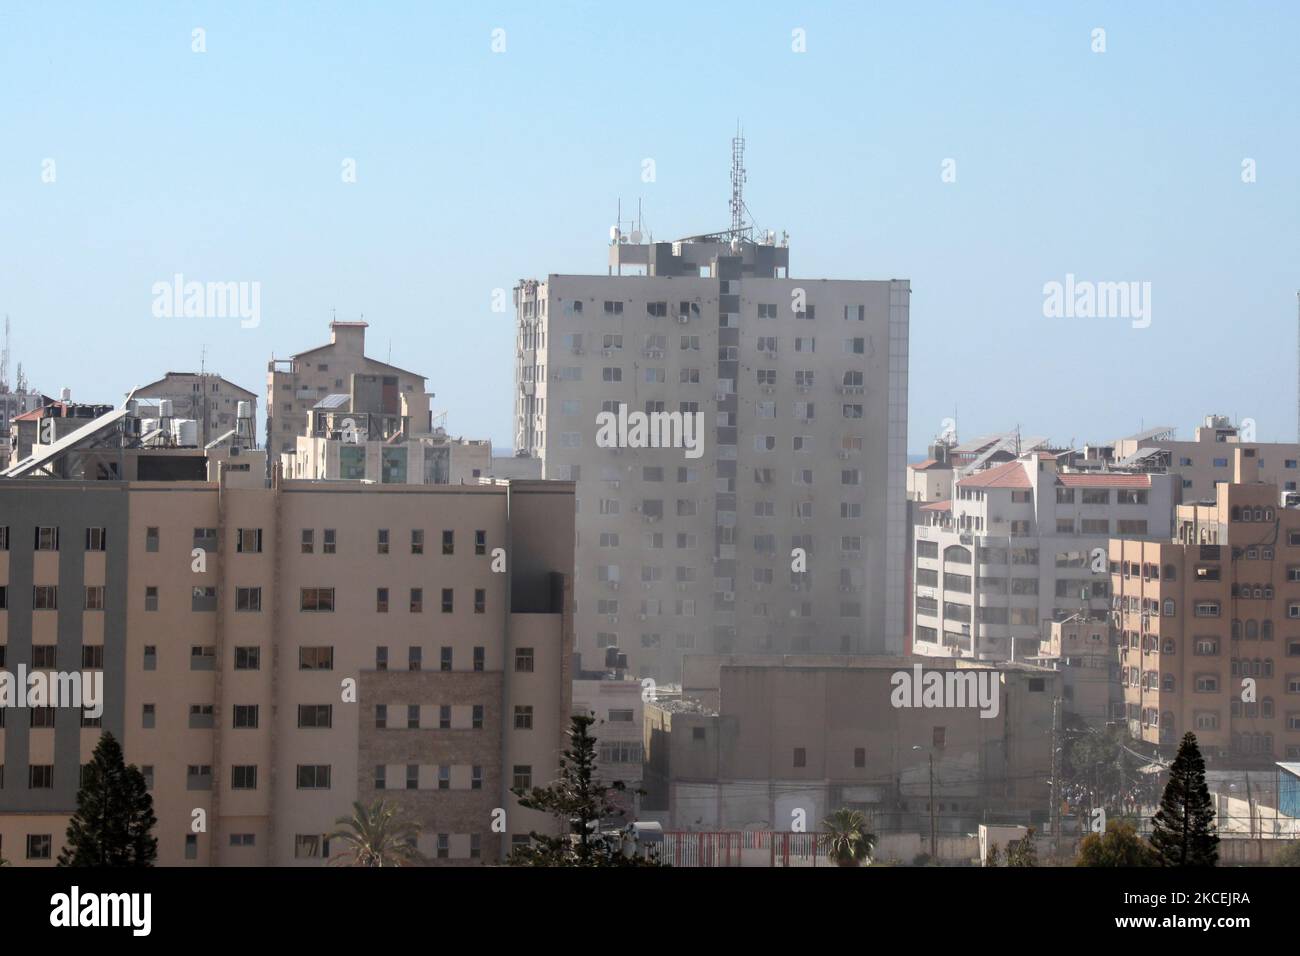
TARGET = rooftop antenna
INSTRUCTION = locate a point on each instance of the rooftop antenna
(738, 228)
(203, 361)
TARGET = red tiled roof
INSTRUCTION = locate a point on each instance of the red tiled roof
(1008, 475)
(928, 464)
(1104, 481)
(36, 414)
(937, 506)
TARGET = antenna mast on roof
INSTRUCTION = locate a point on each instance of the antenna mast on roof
(738, 228)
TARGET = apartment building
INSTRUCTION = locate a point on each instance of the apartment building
(294, 386)
(1208, 624)
(271, 654)
(1021, 545)
(780, 523)
(618, 707)
(1080, 647)
(350, 436)
(1207, 461)
(203, 397)
(754, 740)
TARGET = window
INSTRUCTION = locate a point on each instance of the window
(444, 659)
(310, 846)
(381, 600)
(39, 846)
(317, 599)
(203, 657)
(249, 541)
(92, 657)
(448, 596)
(313, 776)
(449, 542)
(44, 656)
(96, 539)
(244, 716)
(800, 757)
(315, 658)
(151, 599)
(523, 717)
(45, 597)
(248, 599)
(147, 717)
(414, 658)
(330, 545)
(203, 599)
(382, 543)
(524, 660)
(417, 600)
(480, 542)
(47, 539)
(308, 541)
(381, 658)
(243, 777)
(248, 658)
(417, 541)
(198, 777)
(311, 716)
(522, 778)
(476, 717)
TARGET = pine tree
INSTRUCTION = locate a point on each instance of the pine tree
(1184, 833)
(581, 802)
(114, 814)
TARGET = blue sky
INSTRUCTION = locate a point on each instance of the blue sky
(477, 168)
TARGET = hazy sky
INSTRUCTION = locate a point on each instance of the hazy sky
(476, 168)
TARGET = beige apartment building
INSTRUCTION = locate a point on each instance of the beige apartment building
(349, 436)
(271, 654)
(782, 528)
(1207, 461)
(1208, 624)
(1021, 545)
(295, 385)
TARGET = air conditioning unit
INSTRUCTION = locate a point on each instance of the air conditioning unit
(683, 319)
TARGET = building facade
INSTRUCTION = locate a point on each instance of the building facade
(294, 386)
(761, 743)
(271, 654)
(1208, 625)
(1024, 544)
(203, 397)
(782, 527)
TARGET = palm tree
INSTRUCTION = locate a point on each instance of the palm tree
(846, 838)
(376, 836)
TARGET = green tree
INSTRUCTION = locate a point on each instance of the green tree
(993, 856)
(376, 835)
(582, 803)
(114, 814)
(1023, 852)
(847, 839)
(1120, 845)
(1184, 833)
(1289, 856)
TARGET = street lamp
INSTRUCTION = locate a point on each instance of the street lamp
(930, 754)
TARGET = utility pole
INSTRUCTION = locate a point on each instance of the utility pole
(1056, 776)
(934, 854)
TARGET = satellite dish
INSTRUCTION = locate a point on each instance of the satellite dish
(613, 233)
(636, 237)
